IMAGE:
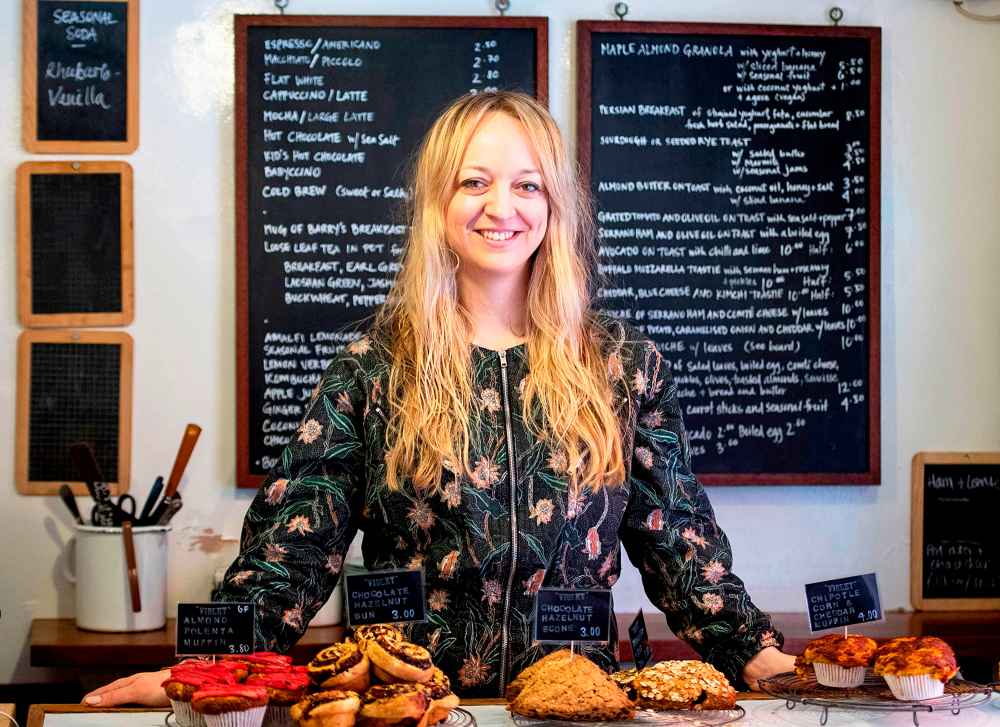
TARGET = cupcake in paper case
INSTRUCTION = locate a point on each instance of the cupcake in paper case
(283, 690)
(231, 705)
(837, 661)
(260, 661)
(915, 667)
(186, 679)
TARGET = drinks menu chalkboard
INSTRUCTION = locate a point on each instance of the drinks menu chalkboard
(955, 559)
(736, 172)
(81, 75)
(329, 111)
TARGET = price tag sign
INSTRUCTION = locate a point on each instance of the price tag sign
(843, 601)
(641, 653)
(566, 614)
(214, 628)
(387, 596)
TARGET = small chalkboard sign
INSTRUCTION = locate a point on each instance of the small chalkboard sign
(74, 244)
(637, 636)
(388, 596)
(214, 628)
(72, 386)
(566, 614)
(955, 542)
(843, 602)
(80, 76)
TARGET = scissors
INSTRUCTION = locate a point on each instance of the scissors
(123, 513)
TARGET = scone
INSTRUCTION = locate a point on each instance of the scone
(915, 667)
(625, 680)
(684, 684)
(528, 673)
(331, 708)
(393, 705)
(399, 661)
(576, 690)
(836, 660)
(341, 666)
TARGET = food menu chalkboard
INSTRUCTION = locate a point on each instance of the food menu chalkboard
(736, 172)
(955, 561)
(329, 112)
(81, 75)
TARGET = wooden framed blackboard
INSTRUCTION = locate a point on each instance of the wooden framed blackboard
(72, 386)
(80, 82)
(329, 110)
(955, 542)
(736, 172)
(74, 244)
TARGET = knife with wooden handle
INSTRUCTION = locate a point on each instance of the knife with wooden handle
(190, 438)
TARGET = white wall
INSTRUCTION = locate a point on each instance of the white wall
(940, 296)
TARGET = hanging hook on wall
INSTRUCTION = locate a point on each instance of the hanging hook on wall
(621, 10)
(960, 7)
(281, 5)
(836, 15)
(502, 6)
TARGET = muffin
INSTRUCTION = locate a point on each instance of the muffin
(283, 690)
(186, 679)
(231, 705)
(261, 660)
(341, 666)
(330, 708)
(837, 661)
(915, 667)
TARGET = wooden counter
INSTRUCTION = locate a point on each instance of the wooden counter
(58, 643)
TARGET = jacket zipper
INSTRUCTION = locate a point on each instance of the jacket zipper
(505, 637)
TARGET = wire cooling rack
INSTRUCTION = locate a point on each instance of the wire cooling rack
(872, 695)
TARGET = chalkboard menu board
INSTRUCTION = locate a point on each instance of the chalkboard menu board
(74, 244)
(81, 74)
(955, 543)
(72, 386)
(736, 172)
(329, 110)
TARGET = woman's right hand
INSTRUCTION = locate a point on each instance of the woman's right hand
(144, 688)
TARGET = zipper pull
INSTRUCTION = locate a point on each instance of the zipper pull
(503, 359)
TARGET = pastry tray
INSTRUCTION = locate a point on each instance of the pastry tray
(648, 718)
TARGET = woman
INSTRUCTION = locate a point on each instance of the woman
(495, 431)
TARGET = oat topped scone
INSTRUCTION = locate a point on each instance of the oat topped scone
(684, 685)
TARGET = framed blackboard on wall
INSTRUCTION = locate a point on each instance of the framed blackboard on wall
(75, 244)
(736, 172)
(329, 110)
(955, 542)
(80, 76)
(72, 386)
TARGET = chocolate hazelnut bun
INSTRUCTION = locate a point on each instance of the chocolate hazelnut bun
(364, 635)
(400, 661)
(341, 666)
(330, 708)
(443, 700)
(393, 705)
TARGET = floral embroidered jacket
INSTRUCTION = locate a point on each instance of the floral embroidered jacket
(493, 537)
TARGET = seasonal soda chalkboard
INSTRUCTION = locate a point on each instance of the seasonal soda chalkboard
(329, 111)
(736, 172)
(72, 386)
(81, 76)
(74, 244)
(955, 542)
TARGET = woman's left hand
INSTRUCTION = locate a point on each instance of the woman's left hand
(767, 663)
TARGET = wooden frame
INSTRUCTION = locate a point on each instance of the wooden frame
(920, 460)
(37, 712)
(25, 303)
(29, 89)
(24, 344)
(244, 478)
(583, 140)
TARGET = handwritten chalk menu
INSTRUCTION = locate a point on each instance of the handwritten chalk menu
(379, 597)
(955, 557)
(329, 112)
(214, 628)
(563, 614)
(843, 602)
(74, 244)
(736, 171)
(72, 386)
(81, 74)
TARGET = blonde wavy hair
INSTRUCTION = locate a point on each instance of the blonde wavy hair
(428, 333)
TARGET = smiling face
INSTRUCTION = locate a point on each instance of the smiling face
(498, 213)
